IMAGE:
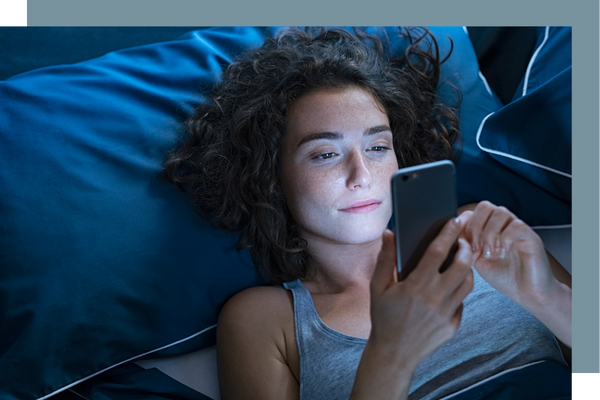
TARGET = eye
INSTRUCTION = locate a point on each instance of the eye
(324, 156)
(378, 148)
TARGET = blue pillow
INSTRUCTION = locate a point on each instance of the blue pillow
(519, 155)
(536, 126)
(103, 261)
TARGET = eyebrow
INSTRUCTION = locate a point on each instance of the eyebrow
(337, 136)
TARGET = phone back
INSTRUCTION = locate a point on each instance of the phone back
(424, 198)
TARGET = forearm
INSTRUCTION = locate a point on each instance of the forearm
(382, 374)
(411, 318)
(554, 311)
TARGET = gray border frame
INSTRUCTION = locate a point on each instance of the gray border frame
(585, 21)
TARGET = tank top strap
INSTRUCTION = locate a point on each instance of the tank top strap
(328, 358)
(304, 308)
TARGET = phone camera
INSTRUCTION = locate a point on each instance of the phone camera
(404, 177)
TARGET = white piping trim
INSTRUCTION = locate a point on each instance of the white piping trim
(490, 378)
(466, 30)
(126, 361)
(526, 81)
(74, 392)
(485, 82)
(515, 157)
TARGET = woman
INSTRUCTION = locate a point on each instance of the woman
(296, 152)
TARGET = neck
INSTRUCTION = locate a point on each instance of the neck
(336, 267)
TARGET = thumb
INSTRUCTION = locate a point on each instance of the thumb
(385, 272)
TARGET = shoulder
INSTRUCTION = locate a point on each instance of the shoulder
(261, 303)
(263, 315)
(256, 345)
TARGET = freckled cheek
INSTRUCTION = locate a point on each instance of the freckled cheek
(384, 173)
(316, 191)
(384, 183)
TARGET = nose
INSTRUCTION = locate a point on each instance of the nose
(359, 171)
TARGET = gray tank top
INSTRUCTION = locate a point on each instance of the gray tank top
(495, 335)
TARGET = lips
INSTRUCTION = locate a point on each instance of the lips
(362, 206)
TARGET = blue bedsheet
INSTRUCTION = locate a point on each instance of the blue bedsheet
(543, 381)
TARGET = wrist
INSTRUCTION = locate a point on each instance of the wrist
(544, 301)
(392, 356)
(553, 309)
(383, 373)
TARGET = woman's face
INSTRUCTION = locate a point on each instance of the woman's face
(338, 160)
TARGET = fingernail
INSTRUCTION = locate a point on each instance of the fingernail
(457, 220)
(486, 251)
(474, 247)
(502, 253)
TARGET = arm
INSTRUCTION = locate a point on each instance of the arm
(556, 313)
(252, 359)
(564, 277)
(411, 318)
(511, 257)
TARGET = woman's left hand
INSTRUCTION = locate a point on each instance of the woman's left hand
(511, 257)
(508, 254)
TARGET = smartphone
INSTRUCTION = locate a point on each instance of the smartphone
(424, 198)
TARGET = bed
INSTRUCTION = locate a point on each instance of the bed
(110, 285)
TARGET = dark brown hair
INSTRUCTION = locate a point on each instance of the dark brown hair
(230, 162)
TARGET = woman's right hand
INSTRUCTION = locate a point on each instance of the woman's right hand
(413, 317)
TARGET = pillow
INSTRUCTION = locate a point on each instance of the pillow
(537, 123)
(519, 155)
(103, 262)
(532, 136)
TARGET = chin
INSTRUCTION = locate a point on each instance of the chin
(351, 229)
(361, 234)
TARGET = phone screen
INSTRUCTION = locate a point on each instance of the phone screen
(424, 198)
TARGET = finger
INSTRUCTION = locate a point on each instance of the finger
(385, 269)
(463, 290)
(519, 230)
(476, 223)
(492, 231)
(465, 216)
(459, 269)
(438, 249)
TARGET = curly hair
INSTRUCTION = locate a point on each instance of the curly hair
(230, 162)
